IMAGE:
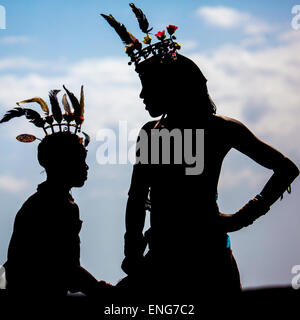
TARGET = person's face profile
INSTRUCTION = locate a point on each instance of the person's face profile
(70, 167)
(79, 171)
(156, 92)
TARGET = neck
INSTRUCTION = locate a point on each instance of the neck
(185, 119)
(58, 183)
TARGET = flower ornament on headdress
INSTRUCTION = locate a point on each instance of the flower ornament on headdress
(64, 122)
(171, 29)
(161, 35)
(165, 49)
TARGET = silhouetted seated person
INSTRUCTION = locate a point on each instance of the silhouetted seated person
(189, 249)
(44, 251)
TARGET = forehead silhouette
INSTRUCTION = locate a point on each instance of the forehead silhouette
(182, 67)
(60, 145)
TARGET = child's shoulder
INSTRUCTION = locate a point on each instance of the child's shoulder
(47, 208)
(29, 211)
(34, 201)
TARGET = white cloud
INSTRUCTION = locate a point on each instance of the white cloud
(106, 71)
(11, 184)
(255, 26)
(290, 36)
(222, 16)
(10, 40)
(20, 63)
(111, 89)
(253, 41)
(188, 45)
(246, 177)
(226, 17)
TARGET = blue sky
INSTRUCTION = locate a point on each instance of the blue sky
(246, 49)
(73, 30)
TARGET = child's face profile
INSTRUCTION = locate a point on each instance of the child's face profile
(76, 173)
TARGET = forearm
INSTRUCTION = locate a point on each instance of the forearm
(283, 176)
(135, 221)
(135, 215)
(135, 242)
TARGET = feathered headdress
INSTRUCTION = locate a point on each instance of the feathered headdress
(165, 49)
(62, 121)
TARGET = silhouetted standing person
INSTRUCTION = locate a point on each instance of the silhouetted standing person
(188, 241)
(189, 248)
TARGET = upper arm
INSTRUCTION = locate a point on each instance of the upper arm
(139, 185)
(246, 142)
(140, 180)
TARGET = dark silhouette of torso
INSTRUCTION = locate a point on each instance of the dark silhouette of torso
(188, 247)
(45, 246)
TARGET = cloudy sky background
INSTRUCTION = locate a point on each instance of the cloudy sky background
(249, 52)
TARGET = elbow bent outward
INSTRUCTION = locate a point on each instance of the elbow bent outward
(285, 173)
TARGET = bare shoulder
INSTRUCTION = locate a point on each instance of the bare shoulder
(227, 121)
(228, 124)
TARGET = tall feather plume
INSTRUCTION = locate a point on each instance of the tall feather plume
(142, 19)
(16, 112)
(68, 116)
(40, 101)
(34, 118)
(30, 114)
(121, 30)
(56, 111)
(76, 106)
(81, 102)
(66, 104)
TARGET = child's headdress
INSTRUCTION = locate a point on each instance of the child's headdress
(55, 122)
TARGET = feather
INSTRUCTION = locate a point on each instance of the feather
(121, 30)
(16, 112)
(69, 117)
(40, 101)
(76, 106)
(74, 101)
(34, 118)
(30, 114)
(56, 111)
(142, 20)
(66, 104)
(26, 138)
(81, 102)
(87, 139)
(49, 119)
